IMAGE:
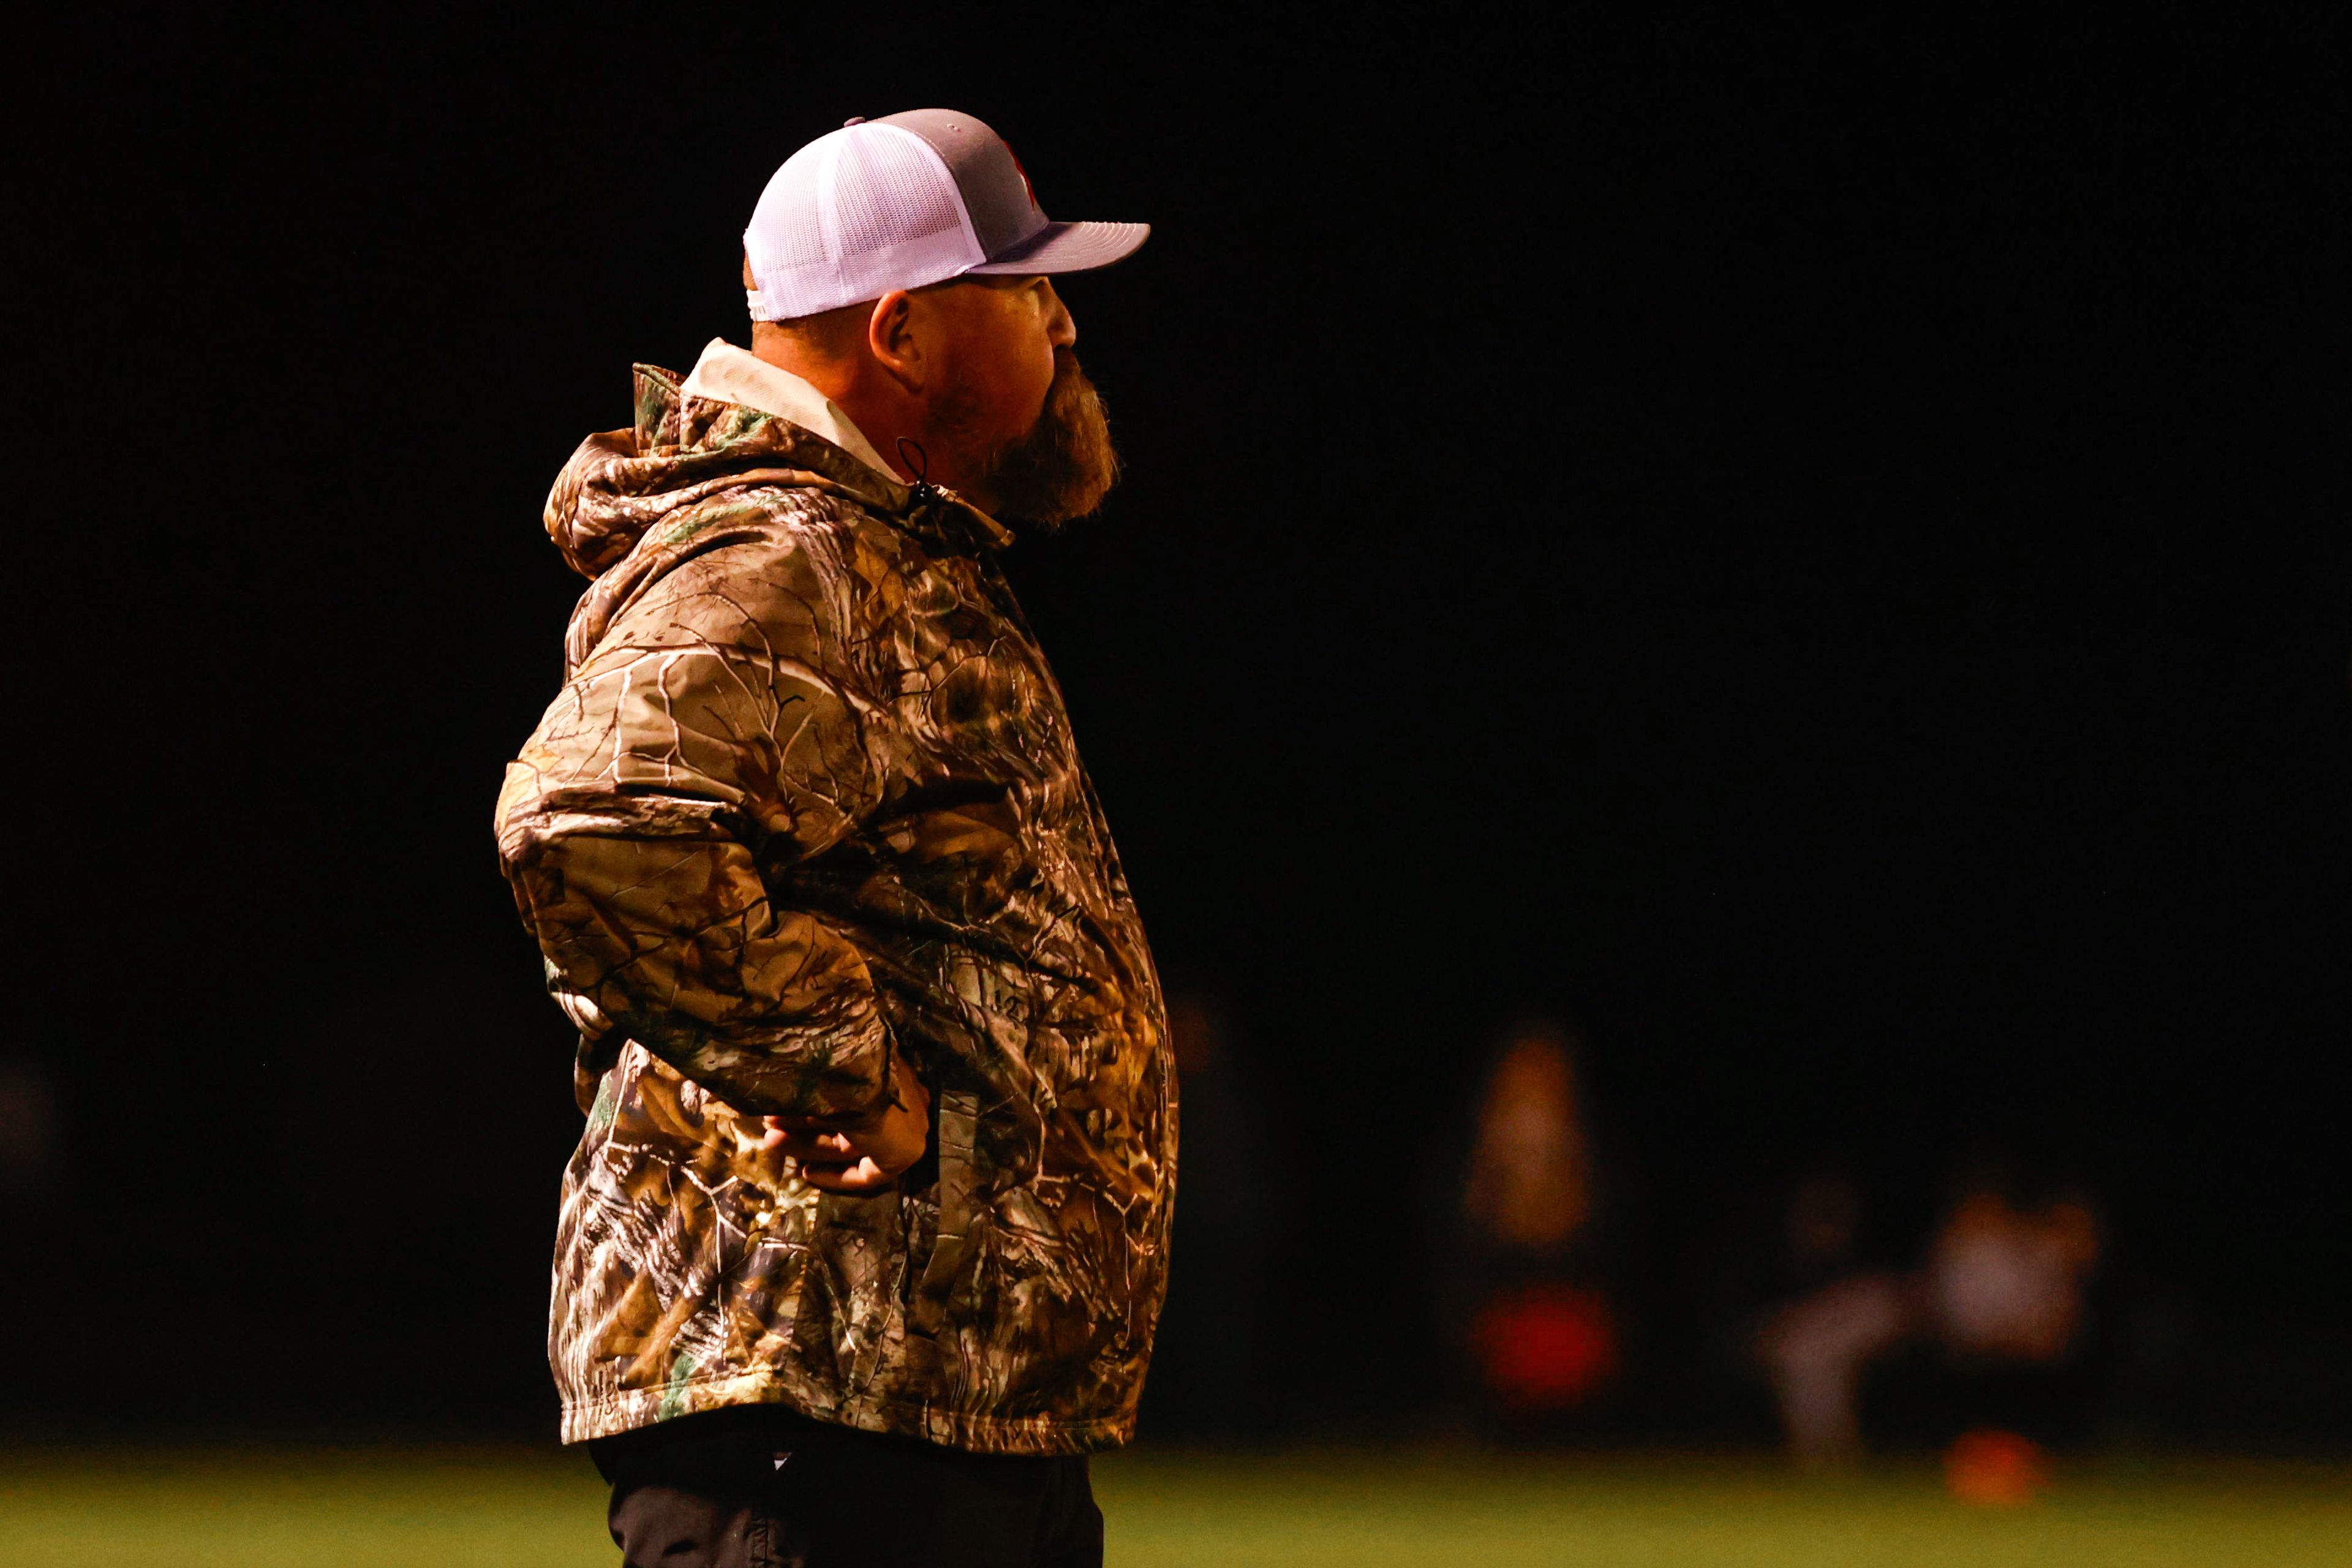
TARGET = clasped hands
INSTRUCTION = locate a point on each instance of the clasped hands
(856, 1154)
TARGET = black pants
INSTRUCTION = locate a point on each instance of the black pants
(760, 1487)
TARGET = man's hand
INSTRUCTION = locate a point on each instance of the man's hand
(864, 1156)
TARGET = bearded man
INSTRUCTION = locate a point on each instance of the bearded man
(862, 1250)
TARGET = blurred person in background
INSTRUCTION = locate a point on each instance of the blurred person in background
(1209, 1375)
(31, 1145)
(43, 1234)
(2005, 1290)
(2006, 1281)
(1832, 1319)
(1525, 1303)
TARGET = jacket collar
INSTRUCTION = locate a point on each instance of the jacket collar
(726, 373)
(806, 425)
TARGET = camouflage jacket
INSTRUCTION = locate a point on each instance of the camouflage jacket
(809, 798)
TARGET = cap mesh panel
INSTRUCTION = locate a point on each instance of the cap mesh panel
(851, 215)
(795, 190)
(887, 190)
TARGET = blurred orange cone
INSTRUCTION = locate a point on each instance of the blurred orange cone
(1995, 1469)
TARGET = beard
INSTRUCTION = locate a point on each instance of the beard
(1065, 466)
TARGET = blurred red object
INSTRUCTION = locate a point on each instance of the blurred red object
(1545, 1347)
(1995, 1469)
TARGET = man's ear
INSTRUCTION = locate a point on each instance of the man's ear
(893, 339)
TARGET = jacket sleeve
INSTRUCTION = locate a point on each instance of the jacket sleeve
(712, 735)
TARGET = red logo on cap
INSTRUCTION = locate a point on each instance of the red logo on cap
(1020, 170)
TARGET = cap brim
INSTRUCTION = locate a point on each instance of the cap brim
(1069, 248)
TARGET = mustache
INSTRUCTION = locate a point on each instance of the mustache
(1063, 468)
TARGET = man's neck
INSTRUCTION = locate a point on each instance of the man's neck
(879, 416)
(879, 407)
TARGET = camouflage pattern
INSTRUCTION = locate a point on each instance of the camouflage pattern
(809, 799)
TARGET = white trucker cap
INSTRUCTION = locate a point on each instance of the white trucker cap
(897, 202)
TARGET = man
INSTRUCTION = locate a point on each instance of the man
(862, 1248)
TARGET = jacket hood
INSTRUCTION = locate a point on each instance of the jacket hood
(679, 449)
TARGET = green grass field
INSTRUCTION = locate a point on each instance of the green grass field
(459, 1509)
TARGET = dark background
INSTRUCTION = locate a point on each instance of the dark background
(1817, 556)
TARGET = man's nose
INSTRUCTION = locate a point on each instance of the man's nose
(1061, 330)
